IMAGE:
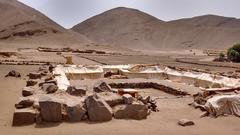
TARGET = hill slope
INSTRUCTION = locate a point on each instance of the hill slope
(24, 24)
(121, 27)
(137, 30)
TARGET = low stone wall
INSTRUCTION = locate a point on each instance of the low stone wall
(143, 85)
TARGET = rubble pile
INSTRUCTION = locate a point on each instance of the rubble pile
(42, 101)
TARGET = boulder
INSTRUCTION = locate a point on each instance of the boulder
(31, 83)
(76, 91)
(51, 68)
(49, 87)
(49, 78)
(135, 110)
(23, 117)
(145, 99)
(24, 103)
(185, 122)
(48, 81)
(51, 81)
(98, 109)
(128, 99)
(112, 99)
(27, 91)
(35, 75)
(13, 73)
(75, 111)
(50, 109)
(44, 73)
(102, 87)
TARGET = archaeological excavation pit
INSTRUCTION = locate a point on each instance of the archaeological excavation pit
(100, 93)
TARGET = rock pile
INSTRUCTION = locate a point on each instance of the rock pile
(45, 103)
(151, 103)
(31, 105)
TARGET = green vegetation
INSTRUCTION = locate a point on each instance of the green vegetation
(221, 55)
(234, 53)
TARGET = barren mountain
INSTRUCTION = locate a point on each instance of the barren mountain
(137, 30)
(24, 24)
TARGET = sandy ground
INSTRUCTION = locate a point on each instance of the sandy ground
(163, 122)
(171, 109)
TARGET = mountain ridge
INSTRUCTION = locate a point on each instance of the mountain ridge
(125, 27)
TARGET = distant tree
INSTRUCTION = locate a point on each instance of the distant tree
(234, 53)
(221, 55)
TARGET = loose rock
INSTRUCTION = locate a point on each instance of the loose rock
(51, 67)
(24, 103)
(185, 122)
(50, 109)
(128, 99)
(76, 91)
(151, 103)
(44, 73)
(48, 81)
(75, 112)
(31, 83)
(23, 117)
(98, 109)
(49, 87)
(35, 75)
(112, 99)
(13, 73)
(102, 87)
(136, 111)
(27, 91)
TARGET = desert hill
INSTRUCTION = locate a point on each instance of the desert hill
(123, 27)
(26, 25)
(134, 29)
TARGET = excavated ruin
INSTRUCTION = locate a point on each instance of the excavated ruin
(100, 93)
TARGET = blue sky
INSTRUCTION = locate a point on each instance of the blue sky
(71, 12)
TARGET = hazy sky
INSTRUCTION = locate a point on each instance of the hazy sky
(70, 12)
